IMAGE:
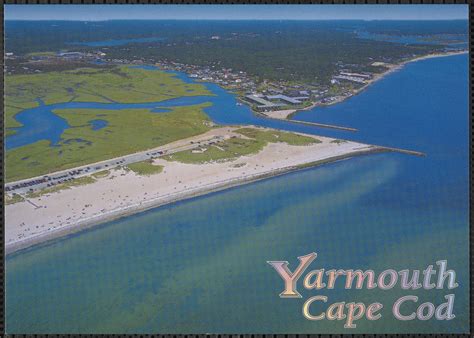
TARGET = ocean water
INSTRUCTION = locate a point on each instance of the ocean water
(199, 265)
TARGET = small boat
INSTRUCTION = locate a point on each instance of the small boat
(238, 104)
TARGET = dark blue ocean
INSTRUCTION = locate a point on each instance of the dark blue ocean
(200, 265)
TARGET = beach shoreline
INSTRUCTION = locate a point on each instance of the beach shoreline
(151, 203)
(288, 114)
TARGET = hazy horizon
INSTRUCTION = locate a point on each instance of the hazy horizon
(235, 12)
(107, 20)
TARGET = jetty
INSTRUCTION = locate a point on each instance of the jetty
(314, 124)
(404, 151)
(321, 125)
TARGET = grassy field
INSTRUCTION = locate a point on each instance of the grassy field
(145, 168)
(277, 136)
(122, 84)
(68, 185)
(221, 151)
(128, 131)
(14, 198)
(235, 147)
(41, 54)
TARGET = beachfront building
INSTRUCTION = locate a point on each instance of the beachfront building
(72, 55)
(262, 104)
(287, 99)
(365, 76)
(350, 78)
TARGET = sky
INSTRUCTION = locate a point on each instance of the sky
(236, 12)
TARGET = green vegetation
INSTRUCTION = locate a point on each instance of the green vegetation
(41, 54)
(14, 198)
(273, 51)
(122, 84)
(303, 51)
(221, 151)
(101, 174)
(63, 186)
(128, 131)
(145, 168)
(233, 148)
(277, 136)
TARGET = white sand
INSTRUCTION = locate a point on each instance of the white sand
(279, 114)
(124, 192)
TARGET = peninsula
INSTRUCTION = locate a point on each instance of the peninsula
(220, 158)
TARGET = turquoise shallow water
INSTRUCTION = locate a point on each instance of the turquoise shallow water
(200, 265)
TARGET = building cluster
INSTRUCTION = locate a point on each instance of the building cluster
(275, 102)
(95, 55)
(284, 95)
(360, 78)
(266, 96)
(228, 78)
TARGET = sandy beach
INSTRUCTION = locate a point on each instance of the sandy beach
(124, 192)
(279, 114)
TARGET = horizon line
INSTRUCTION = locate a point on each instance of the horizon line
(263, 19)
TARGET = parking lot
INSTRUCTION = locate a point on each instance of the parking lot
(41, 182)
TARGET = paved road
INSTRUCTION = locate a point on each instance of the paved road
(41, 182)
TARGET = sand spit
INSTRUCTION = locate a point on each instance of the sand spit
(123, 192)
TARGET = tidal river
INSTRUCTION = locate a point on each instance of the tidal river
(200, 265)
